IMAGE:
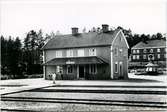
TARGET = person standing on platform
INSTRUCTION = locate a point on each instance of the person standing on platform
(53, 77)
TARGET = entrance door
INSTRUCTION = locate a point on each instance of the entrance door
(81, 71)
(121, 70)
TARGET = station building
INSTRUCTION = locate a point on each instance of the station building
(94, 55)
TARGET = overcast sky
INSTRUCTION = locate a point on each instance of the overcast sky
(17, 17)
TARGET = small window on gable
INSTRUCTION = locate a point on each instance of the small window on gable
(158, 50)
(116, 51)
(92, 52)
(120, 38)
(58, 54)
(120, 50)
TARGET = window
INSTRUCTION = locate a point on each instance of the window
(134, 57)
(158, 55)
(92, 52)
(144, 51)
(58, 54)
(120, 50)
(116, 67)
(165, 49)
(93, 69)
(69, 53)
(134, 51)
(144, 56)
(116, 51)
(80, 52)
(137, 51)
(69, 69)
(120, 38)
(137, 56)
(59, 69)
(158, 50)
(151, 50)
(165, 55)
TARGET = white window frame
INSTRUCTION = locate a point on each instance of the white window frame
(158, 50)
(70, 53)
(80, 53)
(58, 54)
(59, 69)
(137, 51)
(134, 57)
(134, 51)
(151, 50)
(145, 50)
(116, 66)
(137, 57)
(92, 52)
(158, 56)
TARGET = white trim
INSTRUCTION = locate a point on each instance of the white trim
(125, 39)
(150, 47)
(120, 31)
(112, 73)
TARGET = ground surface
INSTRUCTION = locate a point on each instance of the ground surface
(139, 93)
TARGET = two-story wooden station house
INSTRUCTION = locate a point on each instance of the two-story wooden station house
(152, 50)
(92, 55)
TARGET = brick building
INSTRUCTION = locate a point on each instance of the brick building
(93, 55)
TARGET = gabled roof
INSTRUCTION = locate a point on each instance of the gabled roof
(150, 44)
(81, 40)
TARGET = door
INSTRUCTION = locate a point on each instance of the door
(121, 70)
(81, 71)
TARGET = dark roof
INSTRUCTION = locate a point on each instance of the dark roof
(151, 43)
(77, 60)
(81, 40)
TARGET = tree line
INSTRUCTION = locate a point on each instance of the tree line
(19, 59)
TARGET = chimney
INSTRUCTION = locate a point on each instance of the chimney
(74, 31)
(105, 28)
